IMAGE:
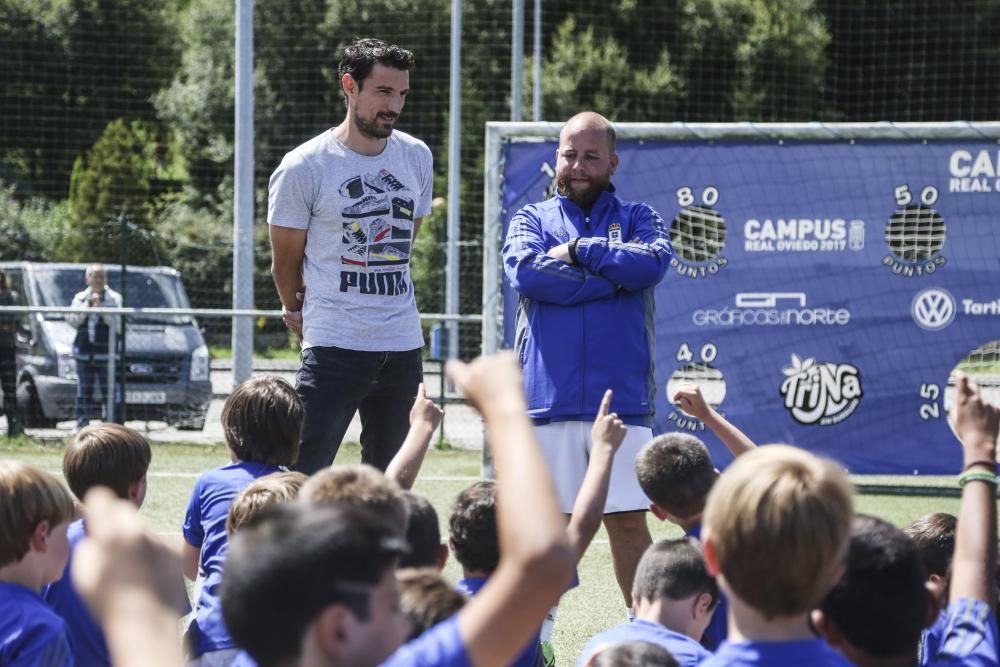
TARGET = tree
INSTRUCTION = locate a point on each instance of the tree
(73, 66)
(110, 189)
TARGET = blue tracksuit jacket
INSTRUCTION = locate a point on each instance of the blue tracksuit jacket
(586, 327)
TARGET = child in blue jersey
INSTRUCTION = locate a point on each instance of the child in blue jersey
(35, 511)
(262, 422)
(473, 523)
(676, 473)
(108, 455)
(876, 612)
(934, 537)
(674, 598)
(776, 530)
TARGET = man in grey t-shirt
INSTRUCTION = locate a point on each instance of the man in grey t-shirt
(343, 212)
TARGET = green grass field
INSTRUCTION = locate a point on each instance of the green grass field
(595, 605)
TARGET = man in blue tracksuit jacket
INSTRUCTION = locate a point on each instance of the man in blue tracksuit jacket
(585, 263)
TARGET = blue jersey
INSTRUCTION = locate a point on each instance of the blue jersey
(86, 639)
(205, 529)
(440, 646)
(811, 652)
(30, 632)
(718, 627)
(529, 656)
(968, 637)
(687, 651)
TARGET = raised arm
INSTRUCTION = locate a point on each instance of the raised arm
(691, 401)
(538, 276)
(974, 564)
(425, 416)
(607, 436)
(535, 559)
(640, 263)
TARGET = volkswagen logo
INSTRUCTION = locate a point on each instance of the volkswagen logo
(933, 308)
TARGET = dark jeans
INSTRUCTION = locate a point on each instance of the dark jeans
(89, 374)
(334, 383)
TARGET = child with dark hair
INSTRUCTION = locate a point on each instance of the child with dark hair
(674, 597)
(262, 422)
(107, 455)
(473, 534)
(880, 605)
(426, 598)
(934, 537)
(635, 652)
(874, 615)
(35, 510)
(423, 535)
(676, 473)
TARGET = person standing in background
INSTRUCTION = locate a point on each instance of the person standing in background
(8, 357)
(90, 348)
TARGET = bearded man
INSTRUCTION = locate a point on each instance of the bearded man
(343, 212)
(585, 263)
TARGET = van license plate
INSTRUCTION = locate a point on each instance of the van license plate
(146, 397)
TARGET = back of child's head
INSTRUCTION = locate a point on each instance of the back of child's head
(108, 455)
(278, 487)
(426, 598)
(423, 534)
(262, 421)
(472, 528)
(635, 652)
(880, 603)
(291, 561)
(934, 537)
(675, 570)
(778, 522)
(361, 485)
(676, 472)
(28, 496)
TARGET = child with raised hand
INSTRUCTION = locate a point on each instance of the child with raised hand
(425, 416)
(776, 529)
(934, 537)
(262, 421)
(676, 473)
(118, 458)
(876, 612)
(969, 630)
(35, 511)
(473, 523)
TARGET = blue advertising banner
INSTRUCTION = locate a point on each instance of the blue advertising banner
(821, 292)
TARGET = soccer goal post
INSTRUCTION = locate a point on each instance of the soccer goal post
(827, 279)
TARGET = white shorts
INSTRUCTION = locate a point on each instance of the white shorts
(566, 448)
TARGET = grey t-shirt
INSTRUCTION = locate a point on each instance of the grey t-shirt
(358, 211)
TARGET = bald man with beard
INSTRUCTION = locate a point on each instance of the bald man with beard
(584, 264)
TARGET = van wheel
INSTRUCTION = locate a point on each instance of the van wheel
(29, 408)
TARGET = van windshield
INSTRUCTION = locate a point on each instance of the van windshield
(57, 286)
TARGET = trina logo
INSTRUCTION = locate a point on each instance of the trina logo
(822, 393)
